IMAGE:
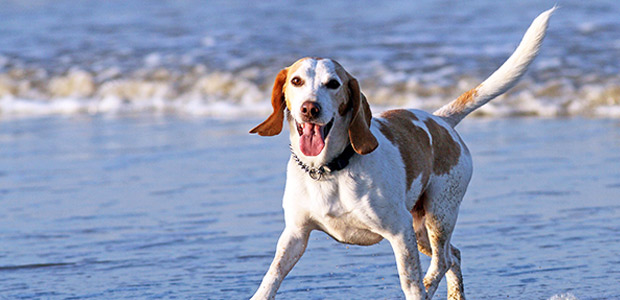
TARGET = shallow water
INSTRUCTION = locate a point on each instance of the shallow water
(187, 208)
(220, 58)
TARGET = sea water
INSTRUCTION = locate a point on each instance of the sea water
(190, 208)
(220, 58)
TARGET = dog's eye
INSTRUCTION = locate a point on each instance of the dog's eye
(296, 81)
(332, 84)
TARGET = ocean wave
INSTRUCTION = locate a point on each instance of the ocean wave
(246, 92)
(211, 60)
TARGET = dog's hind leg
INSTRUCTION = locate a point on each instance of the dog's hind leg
(454, 277)
(441, 261)
(441, 211)
(419, 226)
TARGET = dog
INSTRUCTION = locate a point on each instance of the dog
(400, 176)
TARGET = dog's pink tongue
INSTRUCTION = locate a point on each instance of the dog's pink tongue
(311, 142)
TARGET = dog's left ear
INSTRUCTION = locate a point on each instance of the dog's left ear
(362, 140)
(273, 124)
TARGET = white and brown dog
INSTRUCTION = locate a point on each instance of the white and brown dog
(399, 176)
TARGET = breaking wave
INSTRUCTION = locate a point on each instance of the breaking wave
(185, 57)
(246, 92)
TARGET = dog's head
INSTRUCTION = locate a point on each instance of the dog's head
(326, 109)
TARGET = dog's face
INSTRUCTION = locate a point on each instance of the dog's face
(326, 109)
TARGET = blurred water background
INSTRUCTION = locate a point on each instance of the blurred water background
(219, 58)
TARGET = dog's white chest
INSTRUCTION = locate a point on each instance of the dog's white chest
(333, 209)
(349, 229)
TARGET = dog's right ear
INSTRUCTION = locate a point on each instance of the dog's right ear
(273, 124)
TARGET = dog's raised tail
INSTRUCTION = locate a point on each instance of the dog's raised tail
(503, 78)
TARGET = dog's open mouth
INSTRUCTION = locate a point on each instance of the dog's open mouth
(312, 137)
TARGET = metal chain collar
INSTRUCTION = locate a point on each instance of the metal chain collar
(314, 173)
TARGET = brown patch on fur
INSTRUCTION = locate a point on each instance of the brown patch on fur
(273, 125)
(290, 70)
(412, 141)
(348, 104)
(418, 207)
(446, 151)
(464, 99)
(343, 108)
(362, 139)
(293, 68)
(418, 212)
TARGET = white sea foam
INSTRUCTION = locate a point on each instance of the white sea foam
(201, 91)
(202, 61)
(17, 107)
(567, 296)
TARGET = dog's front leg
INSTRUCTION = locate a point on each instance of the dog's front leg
(405, 248)
(291, 247)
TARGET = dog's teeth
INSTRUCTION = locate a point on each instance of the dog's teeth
(299, 128)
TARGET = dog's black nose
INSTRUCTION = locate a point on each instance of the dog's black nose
(310, 109)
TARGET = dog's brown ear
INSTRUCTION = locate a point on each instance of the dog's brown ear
(362, 140)
(273, 124)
